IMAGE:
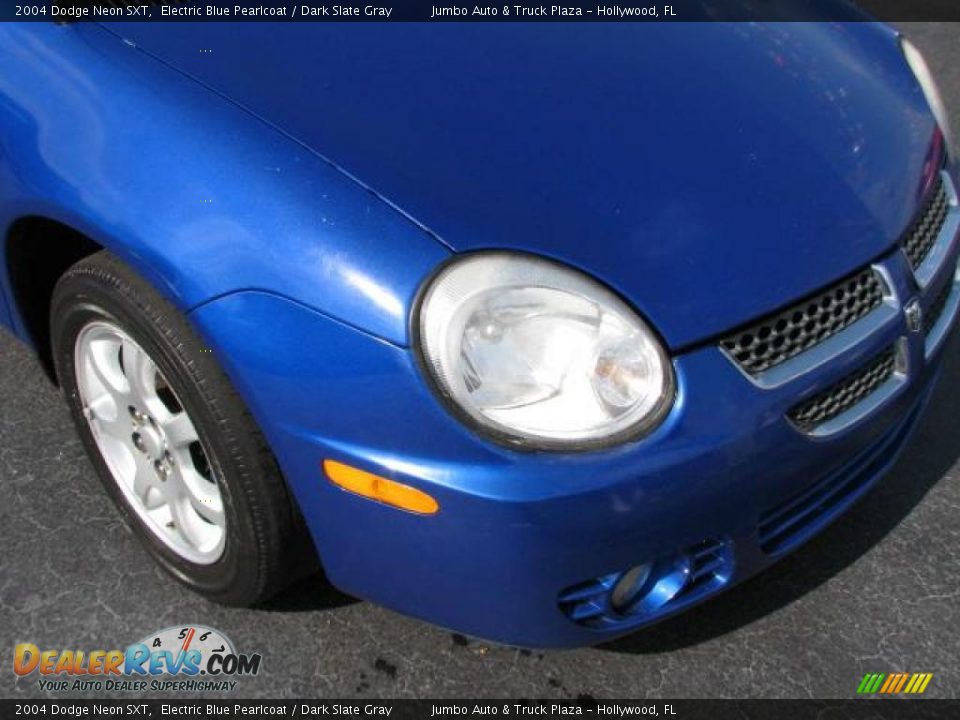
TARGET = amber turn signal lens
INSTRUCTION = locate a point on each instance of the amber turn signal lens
(380, 489)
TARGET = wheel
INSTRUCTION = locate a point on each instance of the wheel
(170, 439)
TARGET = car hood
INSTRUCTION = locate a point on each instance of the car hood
(708, 172)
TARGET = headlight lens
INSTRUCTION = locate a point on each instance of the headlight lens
(922, 72)
(541, 354)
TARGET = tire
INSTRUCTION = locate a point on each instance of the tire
(215, 513)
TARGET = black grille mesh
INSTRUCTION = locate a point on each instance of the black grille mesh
(918, 242)
(843, 395)
(780, 337)
(935, 310)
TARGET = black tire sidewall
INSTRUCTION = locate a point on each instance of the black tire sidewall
(82, 300)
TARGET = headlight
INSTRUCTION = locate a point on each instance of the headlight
(922, 72)
(540, 354)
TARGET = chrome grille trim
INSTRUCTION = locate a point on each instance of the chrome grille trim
(939, 315)
(919, 240)
(936, 246)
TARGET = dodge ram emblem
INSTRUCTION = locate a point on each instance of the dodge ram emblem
(914, 315)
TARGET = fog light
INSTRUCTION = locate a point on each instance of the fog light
(630, 587)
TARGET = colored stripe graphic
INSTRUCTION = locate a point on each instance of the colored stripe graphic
(894, 683)
(903, 681)
(918, 683)
(870, 683)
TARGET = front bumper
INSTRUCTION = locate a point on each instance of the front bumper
(526, 545)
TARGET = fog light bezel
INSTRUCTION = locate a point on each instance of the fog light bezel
(675, 581)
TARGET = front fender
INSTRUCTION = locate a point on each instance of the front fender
(198, 195)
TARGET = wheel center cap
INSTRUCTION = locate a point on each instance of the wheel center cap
(153, 445)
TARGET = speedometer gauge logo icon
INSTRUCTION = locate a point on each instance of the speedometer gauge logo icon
(206, 640)
(189, 650)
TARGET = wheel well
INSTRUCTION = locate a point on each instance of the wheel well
(39, 251)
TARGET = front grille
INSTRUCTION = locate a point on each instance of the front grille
(920, 239)
(785, 334)
(935, 311)
(843, 395)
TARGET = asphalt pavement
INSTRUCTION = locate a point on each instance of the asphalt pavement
(879, 591)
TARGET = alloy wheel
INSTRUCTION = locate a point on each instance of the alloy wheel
(149, 443)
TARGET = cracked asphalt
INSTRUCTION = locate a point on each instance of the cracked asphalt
(879, 591)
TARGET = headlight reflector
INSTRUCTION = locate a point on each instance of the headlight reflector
(541, 354)
(924, 77)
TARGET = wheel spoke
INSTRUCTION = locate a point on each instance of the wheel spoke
(179, 430)
(182, 522)
(110, 419)
(140, 371)
(209, 508)
(104, 362)
(192, 528)
(143, 482)
(203, 495)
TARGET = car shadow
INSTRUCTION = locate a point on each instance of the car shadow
(931, 452)
(310, 594)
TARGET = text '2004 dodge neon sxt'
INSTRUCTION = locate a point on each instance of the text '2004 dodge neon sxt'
(539, 333)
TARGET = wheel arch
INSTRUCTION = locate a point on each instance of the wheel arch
(38, 250)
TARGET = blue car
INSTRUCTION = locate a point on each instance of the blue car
(541, 333)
